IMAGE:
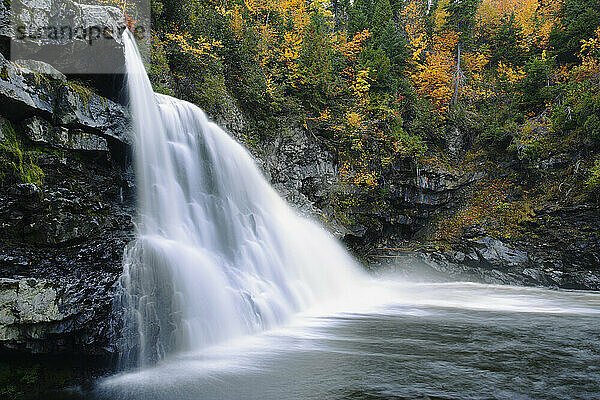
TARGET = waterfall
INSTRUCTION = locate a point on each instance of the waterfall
(218, 253)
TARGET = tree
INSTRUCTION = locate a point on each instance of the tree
(395, 45)
(505, 43)
(535, 85)
(579, 19)
(381, 15)
(461, 19)
(360, 15)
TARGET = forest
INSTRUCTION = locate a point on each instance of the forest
(382, 79)
(460, 85)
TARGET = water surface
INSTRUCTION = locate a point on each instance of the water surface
(399, 340)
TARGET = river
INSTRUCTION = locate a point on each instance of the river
(399, 340)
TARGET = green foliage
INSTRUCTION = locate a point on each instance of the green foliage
(317, 67)
(578, 20)
(578, 112)
(535, 87)
(497, 136)
(360, 15)
(16, 164)
(382, 80)
(159, 71)
(593, 180)
(587, 114)
(381, 15)
(461, 17)
(505, 44)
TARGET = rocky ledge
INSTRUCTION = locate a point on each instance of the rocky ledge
(66, 207)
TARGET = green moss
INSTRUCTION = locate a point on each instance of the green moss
(84, 93)
(16, 163)
(80, 88)
(593, 180)
(4, 73)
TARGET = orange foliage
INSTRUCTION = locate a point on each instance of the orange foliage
(434, 77)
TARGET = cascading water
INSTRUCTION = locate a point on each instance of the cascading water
(218, 253)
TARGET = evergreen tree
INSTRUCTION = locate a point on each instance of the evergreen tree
(382, 14)
(504, 44)
(579, 19)
(362, 11)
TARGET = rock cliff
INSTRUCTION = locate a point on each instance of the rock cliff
(66, 207)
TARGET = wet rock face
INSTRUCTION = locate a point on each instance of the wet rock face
(300, 166)
(302, 169)
(62, 240)
(92, 112)
(21, 98)
(40, 131)
(65, 240)
(414, 195)
(57, 108)
(526, 262)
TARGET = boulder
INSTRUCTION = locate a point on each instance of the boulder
(20, 97)
(85, 110)
(26, 302)
(60, 113)
(72, 37)
(498, 254)
(40, 67)
(40, 131)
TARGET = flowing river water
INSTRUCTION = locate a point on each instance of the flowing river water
(399, 341)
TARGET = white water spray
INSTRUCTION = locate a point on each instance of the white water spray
(218, 253)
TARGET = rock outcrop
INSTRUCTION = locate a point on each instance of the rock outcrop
(63, 105)
(63, 227)
(71, 36)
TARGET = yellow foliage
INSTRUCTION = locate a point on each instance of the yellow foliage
(361, 84)
(352, 48)
(510, 74)
(237, 22)
(198, 48)
(535, 18)
(591, 46)
(590, 58)
(413, 17)
(354, 120)
(434, 77)
(440, 15)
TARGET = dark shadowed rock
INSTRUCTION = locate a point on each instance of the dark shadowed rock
(65, 241)
(21, 98)
(3, 123)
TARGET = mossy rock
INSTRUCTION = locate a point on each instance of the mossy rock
(16, 163)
